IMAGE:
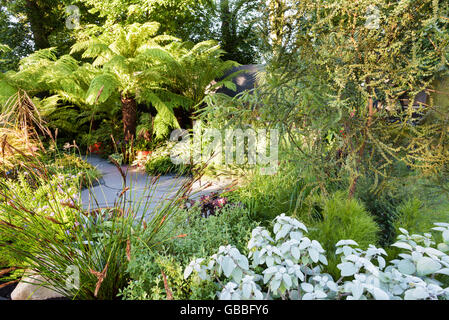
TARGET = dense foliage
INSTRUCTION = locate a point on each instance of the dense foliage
(355, 94)
(292, 266)
(203, 236)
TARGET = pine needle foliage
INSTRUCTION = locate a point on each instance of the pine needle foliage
(345, 87)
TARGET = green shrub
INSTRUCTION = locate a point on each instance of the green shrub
(231, 224)
(267, 196)
(48, 212)
(106, 129)
(147, 269)
(342, 218)
(65, 174)
(44, 228)
(203, 236)
(164, 165)
(160, 161)
(418, 217)
(383, 204)
(412, 218)
(67, 163)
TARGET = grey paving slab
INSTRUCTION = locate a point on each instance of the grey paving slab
(144, 194)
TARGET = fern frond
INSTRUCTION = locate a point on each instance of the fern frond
(4, 48)
(101, 88)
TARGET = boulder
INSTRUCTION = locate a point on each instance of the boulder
(30, 288)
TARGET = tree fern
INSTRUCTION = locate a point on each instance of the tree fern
(101, 88)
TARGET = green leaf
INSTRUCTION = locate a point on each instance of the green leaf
(101, 88)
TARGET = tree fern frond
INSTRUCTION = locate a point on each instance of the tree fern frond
(205, 45)
(44, 55)
(165, 117)
(4, 48)
(6, 91)
(96, 49)
(227, 84)
(157, 53)
(174, 100)
(101, 88)
(161, 127)
(47, 105)
(65, 65)
(165, 38)
(117, 63)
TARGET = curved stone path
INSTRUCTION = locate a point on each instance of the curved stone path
(142, 197)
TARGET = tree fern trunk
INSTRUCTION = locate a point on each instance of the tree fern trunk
(129, 116)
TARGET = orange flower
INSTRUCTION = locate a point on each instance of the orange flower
(162, 221)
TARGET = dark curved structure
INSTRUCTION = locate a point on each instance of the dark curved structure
(244, 80)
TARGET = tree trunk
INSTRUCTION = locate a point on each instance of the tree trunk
(129, 117)
(228, 41)
(37, 24)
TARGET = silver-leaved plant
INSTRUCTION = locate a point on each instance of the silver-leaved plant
(289, 265)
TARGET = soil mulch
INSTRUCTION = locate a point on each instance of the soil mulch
(6, 289)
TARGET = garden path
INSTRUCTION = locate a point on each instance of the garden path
(111, 185)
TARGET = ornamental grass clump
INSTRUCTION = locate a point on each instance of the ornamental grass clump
(80, 253)
(21, 129)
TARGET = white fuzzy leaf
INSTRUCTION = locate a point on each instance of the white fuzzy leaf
(187, 271)
(402, 245)
(228, 266)
(406, 267)
(427, 266)
(307, 287)
(314, 255)
(347, 269)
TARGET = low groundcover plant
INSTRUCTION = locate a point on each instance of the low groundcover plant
(292, 266)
